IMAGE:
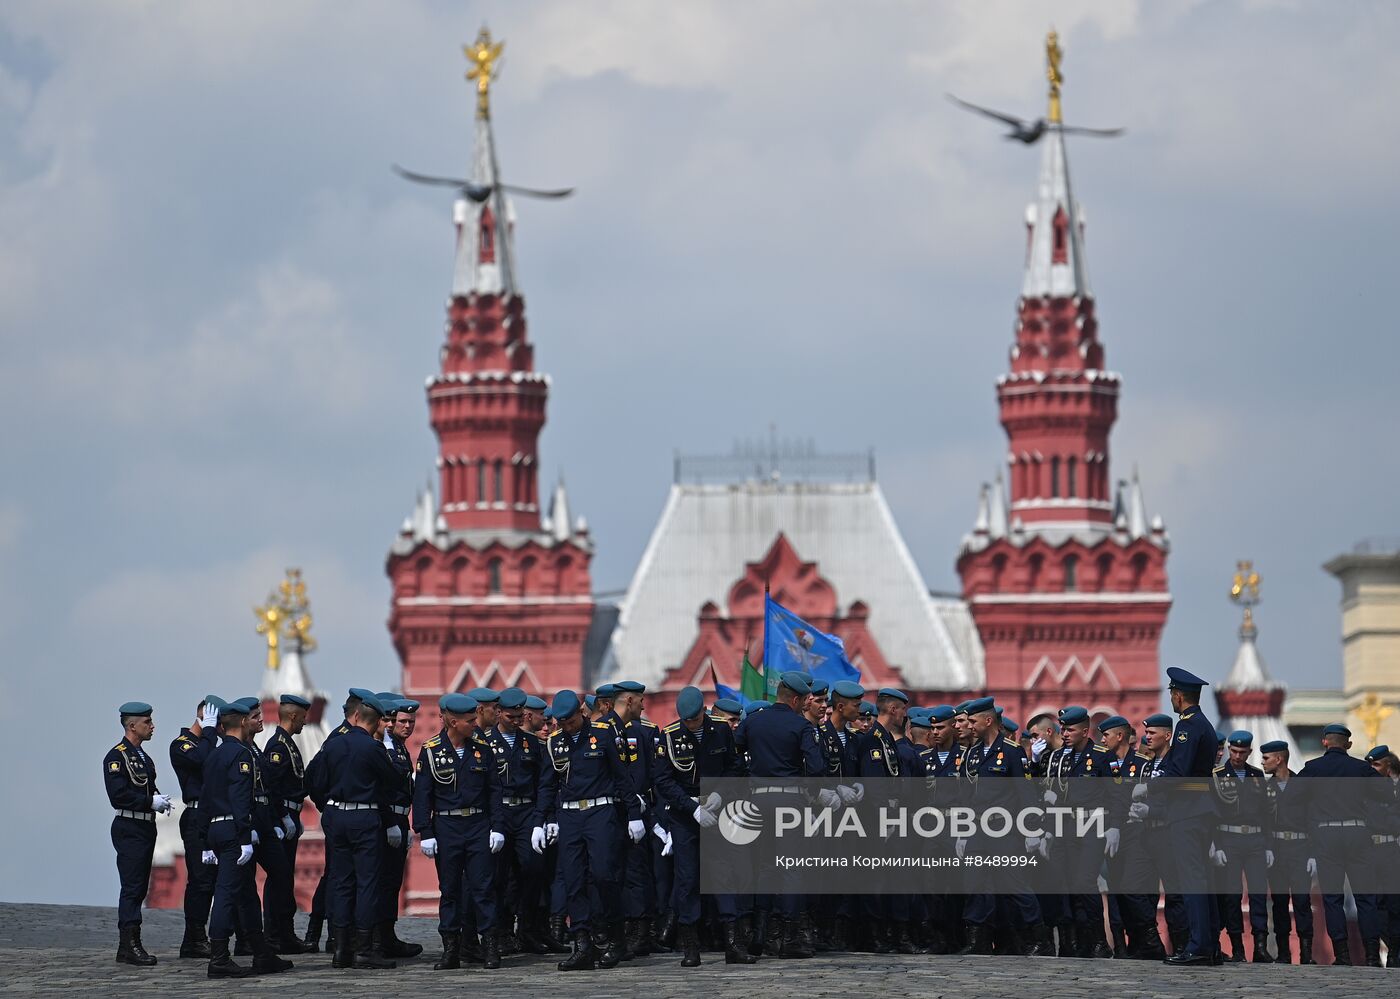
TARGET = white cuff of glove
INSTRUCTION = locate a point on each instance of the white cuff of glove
(636, 829)
(429, 846)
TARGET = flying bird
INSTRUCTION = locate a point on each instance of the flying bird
(479, 192)
(1030, 132)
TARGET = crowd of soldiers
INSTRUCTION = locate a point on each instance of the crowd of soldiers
(574, 828)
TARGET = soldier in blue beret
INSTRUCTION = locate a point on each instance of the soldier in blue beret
(488, 704)
(188, 753)
(884, 752)
(1288, 875)
(637, 741)
(1245, 812)
(727, 710)
(283, 776)
(604, 697)
(130, 777)
(401, 719)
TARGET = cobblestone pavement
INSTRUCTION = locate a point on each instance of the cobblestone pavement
(51, 948)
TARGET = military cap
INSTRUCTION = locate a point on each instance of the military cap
(1220, 737)
(1277, 746)
(961, 709)
(375, 704)
(847, 688)
(360, 693)
(591, 700)
(249, 703)
(728, 705)
(566, 702)
(1241, 739)
(457, 703)
(894, 692)
(232, 708)
(1009, 725)
(1377, 753)
(1180, 679)
(535, 703)
(981, 704)
(1074, 714)
(1337, 729)
(918, 717)
(215, 701)
(389, 700)
(796, 681)
(408, 704)
(512, 698)
(866, 708)
(387, 695)
(941, 712)
(753, 707)
(294, 700)
(608, 690)
(1113, 721)
(484, 695)
(1158, 721)
(134, 708)
(689, 703)
(819, 686)
(630, 687)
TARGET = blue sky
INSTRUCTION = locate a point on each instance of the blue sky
(219, 305)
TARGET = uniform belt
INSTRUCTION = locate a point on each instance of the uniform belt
(517, 801)
(1191, 785)
(1156, 823)
(354, 806)
(1378, 839)
(582, 803)
(290, 805)
(778, 789)
(221, 818)
(192, 803)
(1240, 830)
(261, 799)
(462, 812)
(399, 809)
(1341, 824)
(127, 813)
(1290, 835)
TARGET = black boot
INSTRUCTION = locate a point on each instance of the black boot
(616, 950)
(900, 940)
(1285, 952)
(240, 944)
(490, 951)
(1069, 940)
(311, 943)
(882, 937)
(369, 951)
(758, 931)
(451, 952)
(735, 951)
(1149, 944)
(221, 965)
(1261, 949)
(1341, 951)
(282, 936)
(1098, 946)
(632, 934)
(1178, 939)
(665, 936)
(195, 943)
(795, 944)
(558, 936)
(342, 954)
(1040, 943)
(532, 940)
(471, 949)
(1120, 943)
(392, 945)
(979, 941)
(584, 957)
(1305, 950)
(265, 959)
(1373, 952)
(129, 949)
(1392, 952)
(1236, 948)
(690, 946)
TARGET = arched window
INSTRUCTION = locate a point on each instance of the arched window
(500, 484)
(493, 576)
(1071, 573)
(481, 480)
(1071, 487)
(1055, 477)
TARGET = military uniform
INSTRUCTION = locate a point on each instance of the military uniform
(130, 778)
(317, 781)
(188, 753)
(226, 813)
(399, 803)
(1289, 880)
(1243, 834)
(520, 762)
(284, 777)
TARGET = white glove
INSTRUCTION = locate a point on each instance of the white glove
(714, 801)
(429, 846)
(1051, 797)
(1138, 810)
(643, 802)
(960, 846)
(496, 841)
(636, 829)
(277, 831)
(209, 857)
(1219, 858)
(289, 826)
(704, 818)
(1111, 840)
(1044, 848)
(1038, 748)
(828, 798)
(161, 803)
(245, 854)
(209, 718)
(1312, 867)
(1268, 858)
(394, 836)
(256, 840)
(847, 795)
(551, 831)
(537, 839)
(1139, 792)
(665, 838)
(1033, 844)
(860, 791)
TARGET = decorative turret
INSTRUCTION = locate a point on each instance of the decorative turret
(1249, 698)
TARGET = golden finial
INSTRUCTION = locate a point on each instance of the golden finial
(483, 57)
(1244, 590)
(287, 614)
(1052, 73)
(1371, 712)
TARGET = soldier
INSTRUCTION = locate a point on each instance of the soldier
(638, 746)
(534, 715)
(226, 814)
(520, 761)
(1242, 836)
(727, 710)
(1384, 835)
(401, 718)
(130, 776)
(316, 780)
(1288, 874)
(1126, 918)
(284, 776)
(457, 813)
(188, 752)
(1139, 870)
(487, 709)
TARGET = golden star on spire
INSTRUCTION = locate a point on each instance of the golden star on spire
(1053, 74)
(483, 57)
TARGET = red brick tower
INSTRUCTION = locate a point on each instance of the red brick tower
(1068, 584)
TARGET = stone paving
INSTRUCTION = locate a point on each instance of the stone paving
(51, 948)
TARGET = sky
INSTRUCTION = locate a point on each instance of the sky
(219, 304)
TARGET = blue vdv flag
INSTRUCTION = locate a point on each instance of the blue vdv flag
(791, 643)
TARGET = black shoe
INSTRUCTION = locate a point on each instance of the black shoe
(734, 950)
(471, 949)
(558, 936)
(265, 959)
(129, 949)
(1373, 952)
(393, 946)
(240, 946)
(369, 953)
(1183, 959)
(311, 943)
(1069, 940)
(1099, 948)
(1341, 951)
(490, 951)
(1178, 939)
(1236, 948)
(1261, 949)
(795, 944)
(343, 953)
(690, 946)
(1150, 946)
(1120, 943)
(632, 935)
(978, 941)
(1040, 945)
(195, 943)
(758, 931)
(532, 940)
(1305, 950)
(665, 935)
(1284, 947)
(900, 940)
(451, 952)
(584, 957)
(773, 935)
(221, 965)
(616, 949)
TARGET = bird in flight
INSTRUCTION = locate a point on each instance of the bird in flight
(479, 192)
(1030, 132)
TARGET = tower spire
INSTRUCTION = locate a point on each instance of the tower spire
(1052, 73)
(483, 57)
(485, 263)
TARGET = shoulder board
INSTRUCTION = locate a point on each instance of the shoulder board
(1099, 749)
(480, 740)
(1220, 769)
(121, 747)
(1143, 756)
(673, 727)
(649, 723)
(434, 741)
(598, 724)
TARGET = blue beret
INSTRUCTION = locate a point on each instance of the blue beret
(1376, 753)
(1074, 715)
(1241, 738)
(1277, 746)
(215, 701)
(1158, 721)
(847, 688)
(591, 700)
(630, 687)
(535, 703)
(1009, 725)
(961, 709)
(1337, 729)
(457, 703)
(387, 695)
(360, 693)
(796, 681)
(1220, 737)
(819, 686)
(728, 705)
(484, 695)
(566, 702)
(895, 693)
(249, 703)
(606, 690)
(689, 703)
(981, 704)
(1180, 679)
(918, 717)
(408, 704)
(866, 708)
(512, 697)
(232, 708)
(1113, 721)
(375, 704)
(941, 713)
(754, 707)
(300, 702)
(389, 701)
(135, 708)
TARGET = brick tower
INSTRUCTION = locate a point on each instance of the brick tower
(1067, 583)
